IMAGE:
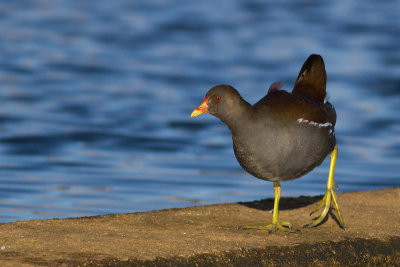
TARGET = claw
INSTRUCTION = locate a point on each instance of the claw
(286, 224)
(336, 186)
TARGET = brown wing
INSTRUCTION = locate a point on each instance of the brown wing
(291, 107)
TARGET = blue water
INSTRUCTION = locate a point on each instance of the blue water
(95, 98)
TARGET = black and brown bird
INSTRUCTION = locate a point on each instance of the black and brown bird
(284, 135)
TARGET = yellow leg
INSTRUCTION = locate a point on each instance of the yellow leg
(330, 195)
(276, 223)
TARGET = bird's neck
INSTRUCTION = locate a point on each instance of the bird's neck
(237, 118)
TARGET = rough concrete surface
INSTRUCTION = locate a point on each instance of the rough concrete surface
(211, 236)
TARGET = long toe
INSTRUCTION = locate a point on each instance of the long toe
(273, 227)
(336, 206)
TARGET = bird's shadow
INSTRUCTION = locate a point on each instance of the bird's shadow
(285, 203)
(288, 203)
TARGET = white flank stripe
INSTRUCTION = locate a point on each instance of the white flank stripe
(313, 123)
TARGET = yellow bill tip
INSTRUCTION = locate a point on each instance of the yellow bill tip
(200, 109)
(196, 112)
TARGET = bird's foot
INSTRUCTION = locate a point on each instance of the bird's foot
(273, 227)
(326, 203)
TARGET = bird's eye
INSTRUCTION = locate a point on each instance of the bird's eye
(217, 98)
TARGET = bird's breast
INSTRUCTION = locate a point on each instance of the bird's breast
(279, 152)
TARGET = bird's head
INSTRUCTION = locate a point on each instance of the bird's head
(220, 101)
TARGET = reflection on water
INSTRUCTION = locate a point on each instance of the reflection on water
(95, 99)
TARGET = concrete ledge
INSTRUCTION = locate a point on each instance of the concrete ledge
(209, 236)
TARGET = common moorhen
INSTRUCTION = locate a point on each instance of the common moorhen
(284, 135)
